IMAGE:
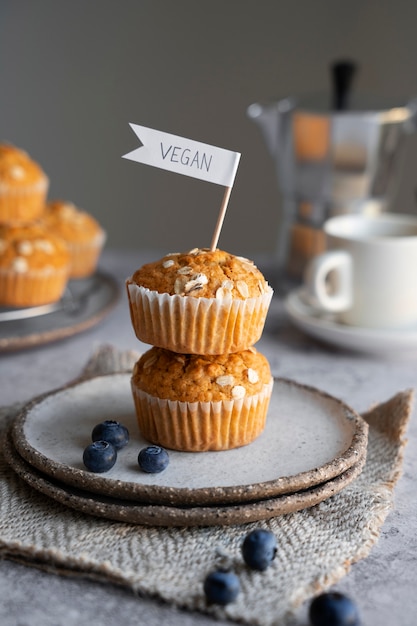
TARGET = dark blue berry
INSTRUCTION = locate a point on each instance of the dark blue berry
(221, 587)
(99, 456)
(259, 549)
(153, 459)
(111, 431)
(333, 609)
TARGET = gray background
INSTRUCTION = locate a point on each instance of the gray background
(74, 73)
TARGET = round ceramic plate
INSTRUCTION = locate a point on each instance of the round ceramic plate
(163, 515)
(326, 327)
(309, 438)
(85, 303)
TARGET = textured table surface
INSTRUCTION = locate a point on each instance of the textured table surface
(382, 584)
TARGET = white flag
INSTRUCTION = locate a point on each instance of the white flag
(184, 156)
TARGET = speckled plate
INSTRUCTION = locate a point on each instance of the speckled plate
(85, 303)
(309, 439)
(170, 516)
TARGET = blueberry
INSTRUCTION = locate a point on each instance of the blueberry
(99, 456)
(111, 431)
(221, 587)
(259, 549)
(153, 459)
(333, 609)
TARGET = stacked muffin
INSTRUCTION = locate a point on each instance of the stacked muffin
(42, 245)
(202, 386)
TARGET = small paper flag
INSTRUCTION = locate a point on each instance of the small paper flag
(184, 156)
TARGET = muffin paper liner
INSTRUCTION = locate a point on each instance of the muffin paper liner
(191, 325)
(201, 426)
(32, 288)
(85, 255)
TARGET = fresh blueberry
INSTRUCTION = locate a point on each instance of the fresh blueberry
(259, 549)
(111, 431)
(221, 587)
(99, 456)
(153, 459)
(333, 609)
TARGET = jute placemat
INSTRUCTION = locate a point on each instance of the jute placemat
(316, 546)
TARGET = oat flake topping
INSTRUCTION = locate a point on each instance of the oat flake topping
(238, 392)
(20, 265)
(225, 380)
(242, 288)
(253, 376)
(25, 248)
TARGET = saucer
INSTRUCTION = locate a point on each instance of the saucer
(310, 438)
(326, 328)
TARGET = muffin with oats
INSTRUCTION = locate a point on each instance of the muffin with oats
(23, 186)
(199, 302)
(196, 403)
(34, 266)
(82, 233)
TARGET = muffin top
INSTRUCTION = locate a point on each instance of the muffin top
(17, 168)
(31, 247)
(203, 273)
(71, 223)
(197, 378)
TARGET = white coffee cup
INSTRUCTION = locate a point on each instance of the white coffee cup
(368, 275)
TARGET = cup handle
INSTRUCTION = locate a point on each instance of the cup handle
(328, 281)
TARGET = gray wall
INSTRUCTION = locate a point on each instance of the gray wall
(74, 73)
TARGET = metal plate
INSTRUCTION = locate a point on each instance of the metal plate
(85, 303)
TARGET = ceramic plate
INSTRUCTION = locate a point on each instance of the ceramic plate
(163, 515)
(325, 327)
(310, 438)
(84, 304)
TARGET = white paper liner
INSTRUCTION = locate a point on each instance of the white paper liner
(85, 255)
(32, 288)
(191, 325)
(201, 426)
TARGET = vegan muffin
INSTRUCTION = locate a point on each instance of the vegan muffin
(199, 302)
(82, 233)
(34, 266)
(23, 186)
(196, 403)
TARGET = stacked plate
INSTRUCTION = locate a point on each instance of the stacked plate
(313, 446)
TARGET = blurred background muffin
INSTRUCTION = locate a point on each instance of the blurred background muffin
(23, 186)
(34, 266)
(82, 233)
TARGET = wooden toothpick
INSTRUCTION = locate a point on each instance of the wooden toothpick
(220, 218)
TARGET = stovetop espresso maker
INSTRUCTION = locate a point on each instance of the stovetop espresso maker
(331, 157)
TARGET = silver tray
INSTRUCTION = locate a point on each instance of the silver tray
(85, 303)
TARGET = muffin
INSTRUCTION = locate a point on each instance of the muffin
(23, 186)
(82, 233)
(196, 403)
(34, 266)
(200, 302)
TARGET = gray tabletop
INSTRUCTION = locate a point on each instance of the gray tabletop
(383, 584)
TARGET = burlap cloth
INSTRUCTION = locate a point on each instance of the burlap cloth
(316, 546)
